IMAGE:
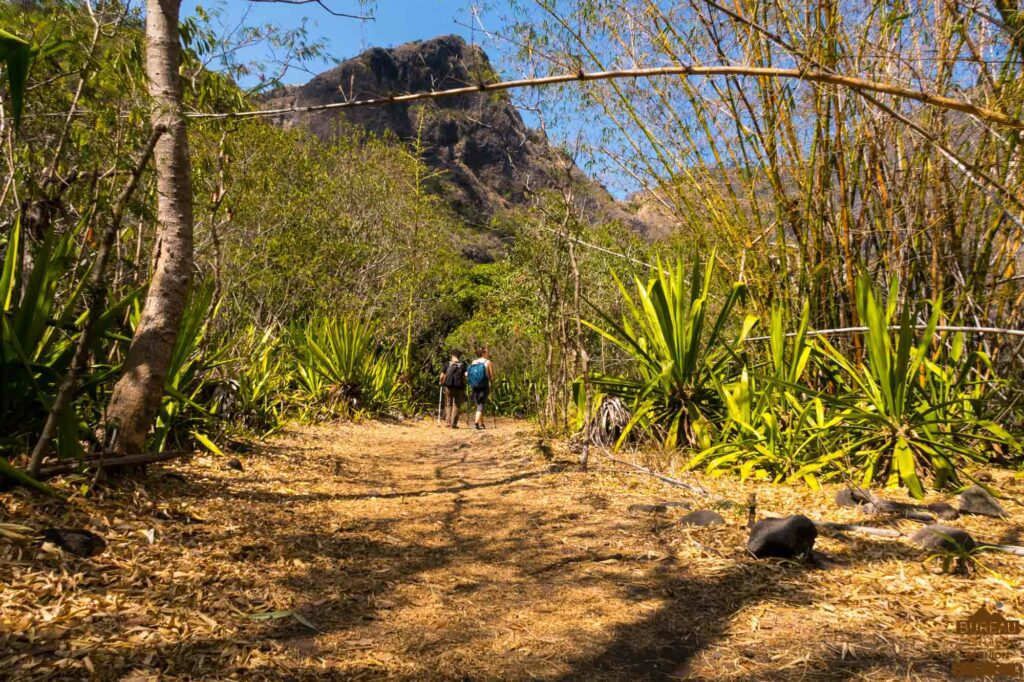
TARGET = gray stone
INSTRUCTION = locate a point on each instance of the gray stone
(977, 500)
(702, 517)
(648, 508)
(789, 538)
(850, 497)
(902, 509)
(81, 543)
(940, 537)
(943, 510)
(234, 463)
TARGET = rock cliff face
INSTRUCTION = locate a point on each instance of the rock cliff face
(490, 160)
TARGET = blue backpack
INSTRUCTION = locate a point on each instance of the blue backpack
(478, 375)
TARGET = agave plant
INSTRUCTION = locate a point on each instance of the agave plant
(338, 363)
(32, 353)
(514, 393)
(256, 393)
(182, 409)
(771, 431)
(913, 411)
(677, 353)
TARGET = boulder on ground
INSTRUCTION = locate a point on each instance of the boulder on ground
(977, 500)
(234, 463)
(789, 538)
(941, 537)
(852, 497)
(943, 510)
(702, 518)
(81, 543)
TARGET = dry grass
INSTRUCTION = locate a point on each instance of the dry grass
(422, 553)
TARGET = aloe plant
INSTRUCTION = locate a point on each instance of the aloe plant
(770, 431)
(911, 411)
(339, 364)
(678, 352)
(183, 408)
(33, 350)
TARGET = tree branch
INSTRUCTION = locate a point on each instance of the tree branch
(322, 5)
(96, 297)
(811, 75)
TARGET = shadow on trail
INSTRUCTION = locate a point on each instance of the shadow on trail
(351, 572)
(461, 487)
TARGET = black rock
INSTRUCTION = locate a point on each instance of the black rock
(702, 517)
(938, 536)
(81, 543)
(852, 497)
(648, 508)
(234, 463)
(977, 500)
(787, 538)
(944, 511)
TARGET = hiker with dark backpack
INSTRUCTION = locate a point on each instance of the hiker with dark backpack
(453, 379)
(480, 376)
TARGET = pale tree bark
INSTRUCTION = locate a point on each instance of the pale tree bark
(136, 397)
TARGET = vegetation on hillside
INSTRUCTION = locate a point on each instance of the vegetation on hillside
(329, 282)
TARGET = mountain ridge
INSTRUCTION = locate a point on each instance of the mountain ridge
(491, 160)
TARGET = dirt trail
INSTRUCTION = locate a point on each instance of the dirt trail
(424, 553)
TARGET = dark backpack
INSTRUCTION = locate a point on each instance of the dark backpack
(454, 376)
(478, 375)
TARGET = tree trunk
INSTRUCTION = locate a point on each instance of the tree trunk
(136, 397)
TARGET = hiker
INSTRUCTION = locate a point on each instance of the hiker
(480, 375)
(453, 379)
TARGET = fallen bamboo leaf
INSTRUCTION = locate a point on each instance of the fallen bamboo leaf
(14, 531)
(275, 615)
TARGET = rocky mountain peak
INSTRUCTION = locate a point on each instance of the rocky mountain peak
(490, 159)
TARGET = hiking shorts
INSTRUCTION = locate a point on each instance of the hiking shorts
(479, 395)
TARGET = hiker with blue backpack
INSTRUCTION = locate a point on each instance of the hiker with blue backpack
(480, 376)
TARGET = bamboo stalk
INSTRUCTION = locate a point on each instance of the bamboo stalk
(809, 74)
(661, 477)
(939, 328)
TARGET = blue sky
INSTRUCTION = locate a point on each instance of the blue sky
(395, 22)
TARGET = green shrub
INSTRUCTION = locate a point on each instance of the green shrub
(679, 354)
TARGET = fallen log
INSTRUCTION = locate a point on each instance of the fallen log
(854, 528)
(113, 462)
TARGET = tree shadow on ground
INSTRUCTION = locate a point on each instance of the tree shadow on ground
(355, 571)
